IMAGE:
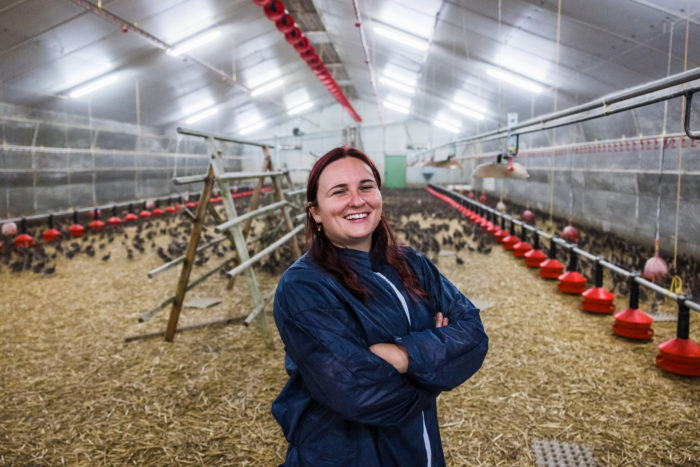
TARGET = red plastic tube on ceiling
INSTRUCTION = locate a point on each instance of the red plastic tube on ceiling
(284, 22)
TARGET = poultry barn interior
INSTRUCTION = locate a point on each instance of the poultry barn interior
(544, 155)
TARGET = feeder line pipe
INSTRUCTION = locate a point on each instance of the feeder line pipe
(259, 308)
(227, 176)
(602, 102)
(690, 304)
(192, 132)
(264, 252)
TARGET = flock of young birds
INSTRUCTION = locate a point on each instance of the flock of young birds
(168, 236)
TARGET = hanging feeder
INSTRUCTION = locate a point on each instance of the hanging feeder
(534, 257)
(572, 282)
(130, 217)
(510, 240)
(502, 233)
(521, 248)
(598, 299)
(633, 323)
(23, 239)
(570, 234)
(551, 268)
(528, 216)
(157, 211)
(51, 235)
(482, 198)
(274, 10)
(285, 23)
(680, 355)
(145, 213)
(97, 225)
(76, 230)
(470, 195)
(501, 206)
(114, 219)
(655, 268)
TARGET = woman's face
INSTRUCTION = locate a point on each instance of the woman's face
(349, 203)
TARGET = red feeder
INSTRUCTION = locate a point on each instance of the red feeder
(534, 258)
(145, 213)
(528, 216)
(521, 249)
(598, 299)
(76, 230)
(500, 235)
(551, 268)
(191, 205)
(294, 35)
(24, 239)
(572, 282)
(170, 210)
(51, 234)
(262, 3)
(274, 10)
(97, 225)
(285, 24)
(157, 212)
(510, 241)
(680, 355)
(633, 323)
(482, 198)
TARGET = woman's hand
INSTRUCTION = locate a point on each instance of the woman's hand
(441, 321)
(393, 354)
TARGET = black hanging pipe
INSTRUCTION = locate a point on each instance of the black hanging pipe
(23, 226)
(536, 242)
(50, 221)
(131, 208)
(552, 249)
(634, 291)
(573, 258)
(75, 217)
(96, 213)
(683, 330)
(503, 223)
(523, 232)
(598, 273)
(114, 210)
(512, 226)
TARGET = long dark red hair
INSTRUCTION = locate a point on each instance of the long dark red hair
(384, 243)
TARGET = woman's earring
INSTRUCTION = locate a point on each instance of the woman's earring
(319, 226)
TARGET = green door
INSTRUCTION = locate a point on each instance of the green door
(395, 171)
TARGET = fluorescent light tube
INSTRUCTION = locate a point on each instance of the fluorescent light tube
(396, 107)
(267, 87)
(251, 128)
(466, 111)
(93, 86)
(300, 108)
(396, 85)
(446, 126)
(193, 43)
(406, 77)
(202, 115)
(514, 79)
(403, 38)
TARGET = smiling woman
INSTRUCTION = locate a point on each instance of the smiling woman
(372, 331)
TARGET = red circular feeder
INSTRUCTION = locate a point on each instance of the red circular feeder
(191, 205)
(598, 299)
(76, 230)
(274, 10)
(491, 228)
(551, 268)
(24, 240)
(572, 282)
(510, 241)
(131, 217)
(170, 210)
(145, 214)
(520, 249)
(500, 235)
(51, 235)
(157, 212)
(470, 195)
(97, 225)
(285, 24)
(633, 323)
(680, 355)
(528, 216)
(534, 258)
(482, 198)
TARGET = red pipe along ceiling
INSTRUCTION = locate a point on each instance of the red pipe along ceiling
(275, 11)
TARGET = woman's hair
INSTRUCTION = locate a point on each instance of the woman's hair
(384, 243)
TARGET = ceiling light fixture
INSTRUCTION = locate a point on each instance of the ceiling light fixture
(93, 86)
(397, 107)
(446, 126)
(300, 108)
(251, 128)
(402, 37)
(202, 115)
(193, 43)
(515, 79)
(267, 87)
(465, 111)
(396, 85)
